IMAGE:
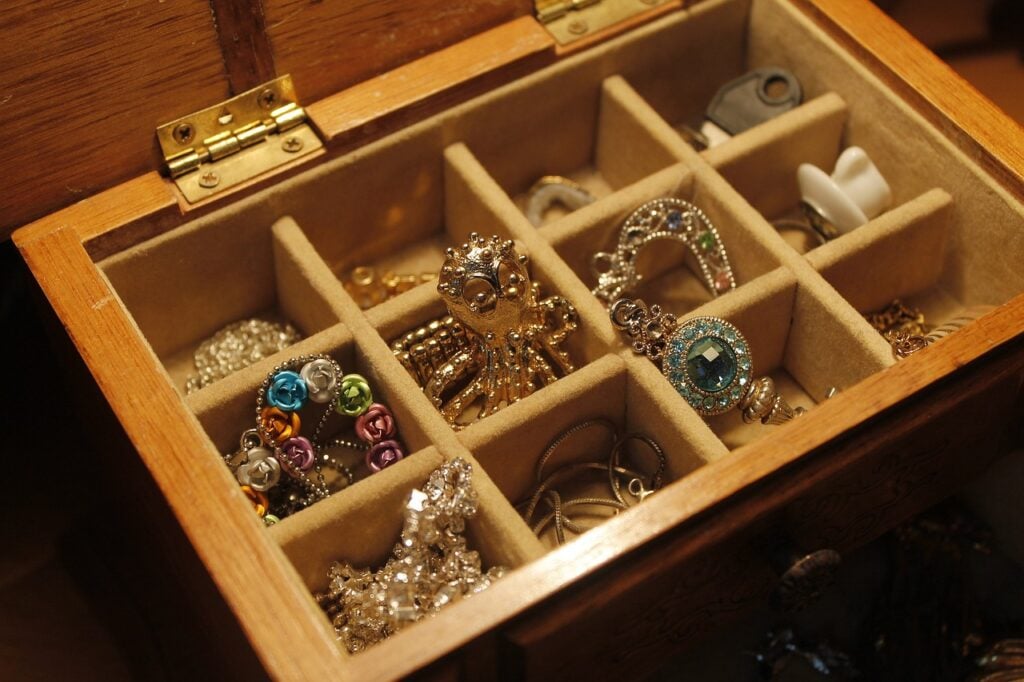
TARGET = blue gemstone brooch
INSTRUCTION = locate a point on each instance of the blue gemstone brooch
(706, 359)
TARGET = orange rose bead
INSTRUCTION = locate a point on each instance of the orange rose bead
(259, 501)
(277, 425)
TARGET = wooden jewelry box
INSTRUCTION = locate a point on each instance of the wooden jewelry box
(443, 137)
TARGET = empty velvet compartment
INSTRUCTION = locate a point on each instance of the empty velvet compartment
(669, 270)
(235, 264)
(601, 390)
(911, 254)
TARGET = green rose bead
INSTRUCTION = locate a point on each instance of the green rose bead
(355, 396)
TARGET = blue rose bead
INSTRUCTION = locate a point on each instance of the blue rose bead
(287, 391)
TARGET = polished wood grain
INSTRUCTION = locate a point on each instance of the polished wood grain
(329, 46)
(221, 528)
(244, 43)
(103, 221)
(434, 82)
(976, 125)
(83, 86)
(629, 24)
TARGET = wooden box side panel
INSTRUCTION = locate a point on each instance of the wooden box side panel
(329, 46)
(156, 426)
(84, 86)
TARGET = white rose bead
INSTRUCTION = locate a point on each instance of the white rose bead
(321, 380)
(262, 470)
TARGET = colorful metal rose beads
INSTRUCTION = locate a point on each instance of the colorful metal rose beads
(282, 470)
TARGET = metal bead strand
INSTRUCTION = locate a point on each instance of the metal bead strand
(310, 488)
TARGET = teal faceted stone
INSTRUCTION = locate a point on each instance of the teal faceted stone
(709, 403)
(710, 364)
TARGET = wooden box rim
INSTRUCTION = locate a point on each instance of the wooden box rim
(298, 646)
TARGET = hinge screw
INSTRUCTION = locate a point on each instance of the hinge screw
(209, 179)
(267, 98)
(183, 133)
(291, 144)
(577, 27)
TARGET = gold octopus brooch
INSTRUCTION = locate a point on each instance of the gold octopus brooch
(500, 341)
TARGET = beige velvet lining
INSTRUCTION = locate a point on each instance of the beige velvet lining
(183, 286)
(603, 389)
(606, 118)
(895, 255)
(982, 263)
(761, 162)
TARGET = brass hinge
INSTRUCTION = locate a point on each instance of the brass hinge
(224, 145)
(572, 20)
(549, 10)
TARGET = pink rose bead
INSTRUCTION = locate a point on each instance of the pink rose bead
(298, 454)
(383, 454)
(376, 424)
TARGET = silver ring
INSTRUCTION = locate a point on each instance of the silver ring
(666, 218)
(555, 189)
(800, 226)
(825, 229)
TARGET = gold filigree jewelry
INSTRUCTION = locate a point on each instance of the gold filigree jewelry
(500, 342)
(898, 317)
(237, 346)
(423, 350)
(610, 470)
(906, 342)
(430, 566)
(369, 288)
(706, 359)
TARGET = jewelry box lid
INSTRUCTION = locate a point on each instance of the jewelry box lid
(84, 88)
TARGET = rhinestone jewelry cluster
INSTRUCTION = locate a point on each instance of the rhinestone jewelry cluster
(666, 218)
(237, 346)
(276, 446)
(430, 566)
